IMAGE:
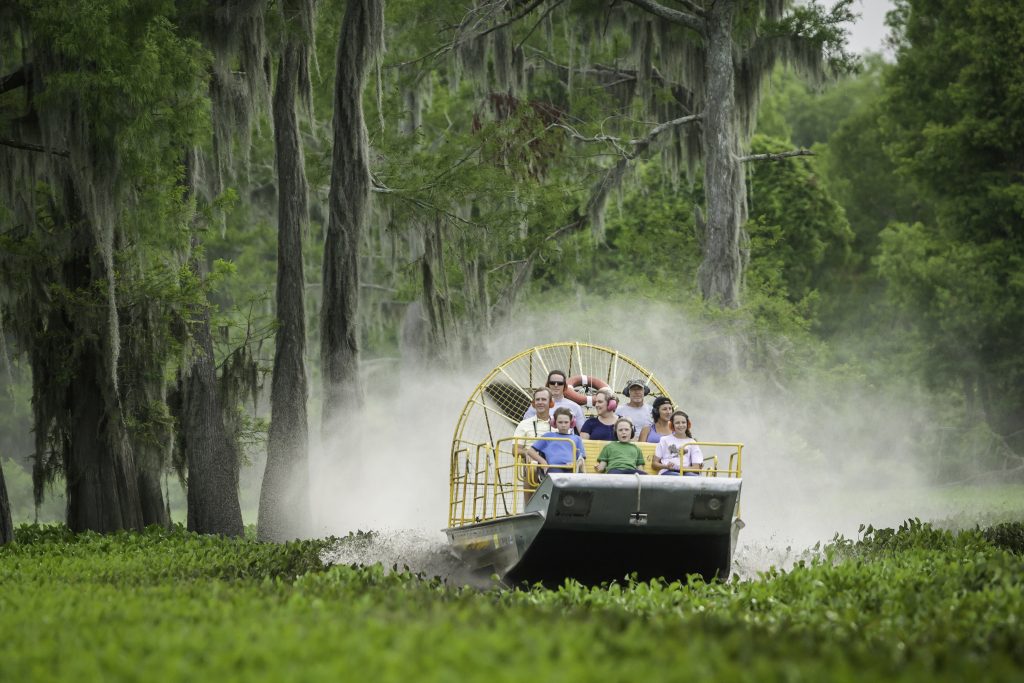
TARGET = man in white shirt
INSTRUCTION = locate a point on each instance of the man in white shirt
(535, 426)
(638, 412)
(556, 385)
(539, 423)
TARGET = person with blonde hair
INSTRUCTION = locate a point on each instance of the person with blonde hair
(621, 456)
(601, 427)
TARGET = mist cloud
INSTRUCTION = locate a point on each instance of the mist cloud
(824, 451)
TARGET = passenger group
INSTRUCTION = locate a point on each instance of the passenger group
(557, 422)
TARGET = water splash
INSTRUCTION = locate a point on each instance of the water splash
(418, 551)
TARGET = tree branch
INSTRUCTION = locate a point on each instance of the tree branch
(533, 28)
(778, 156)
(603, 71)
(378, 187)
(662, 127)
(506, 264)
(16, 78)
(448, 47)
(693, 7)
(609, 180)
(32, 147)
(612, 177)
(529, 8)
(436, 52)
(638, 144)
(503, 305)
(576, 135)
(693, 19)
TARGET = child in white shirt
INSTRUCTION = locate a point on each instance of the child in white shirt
(673, 452)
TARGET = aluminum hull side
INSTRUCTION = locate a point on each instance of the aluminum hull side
(495, 546)
(597, 528)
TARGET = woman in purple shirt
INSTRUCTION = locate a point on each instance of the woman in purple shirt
(661, 411)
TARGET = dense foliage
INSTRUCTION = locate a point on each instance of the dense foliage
(923, 155)
(511, 163)
(891, 256)
(955, 104)
(911, 603)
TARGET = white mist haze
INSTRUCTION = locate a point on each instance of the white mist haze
(812, 452)
(823, 452)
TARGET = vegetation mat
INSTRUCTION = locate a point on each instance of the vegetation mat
(913, 603)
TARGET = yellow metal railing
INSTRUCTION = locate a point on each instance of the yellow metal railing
(710, 468)
(491, 482)
(495, 481)
(487, 479)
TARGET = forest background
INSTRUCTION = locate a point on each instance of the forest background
(516, 165)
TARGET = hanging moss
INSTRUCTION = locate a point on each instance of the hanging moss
(501, 49)
(470, 58)
(86, 205)
(239, 87)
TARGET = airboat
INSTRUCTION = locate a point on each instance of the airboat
(505, 520)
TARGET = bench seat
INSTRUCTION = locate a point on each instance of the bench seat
(593, 449)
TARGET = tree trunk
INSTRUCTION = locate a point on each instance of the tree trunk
(284, 497)
(6, 524)
(208, 451)
(151, 498)
(359, 42)
(102, 489)
(212, 461)
(99, 467)
(436, 295)
(721, 267)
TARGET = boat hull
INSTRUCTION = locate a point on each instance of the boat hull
(596, 528)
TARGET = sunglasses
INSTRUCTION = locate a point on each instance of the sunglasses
(556, 384)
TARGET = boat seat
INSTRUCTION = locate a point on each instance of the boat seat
(593, 449)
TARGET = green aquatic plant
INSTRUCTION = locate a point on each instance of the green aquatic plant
(910, 603)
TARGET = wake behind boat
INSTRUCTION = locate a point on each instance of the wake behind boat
(505, 518)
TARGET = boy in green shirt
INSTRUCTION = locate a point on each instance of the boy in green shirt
(622, 456)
